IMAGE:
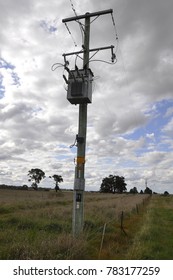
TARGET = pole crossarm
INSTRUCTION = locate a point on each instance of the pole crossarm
(88, 15)
(91, 50)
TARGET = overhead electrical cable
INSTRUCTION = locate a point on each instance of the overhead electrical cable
(56, 65)
(78, 21)
(71, 34)
(116, 33)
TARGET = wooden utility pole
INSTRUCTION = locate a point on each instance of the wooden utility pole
(79, 181)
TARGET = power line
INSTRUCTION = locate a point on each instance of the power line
(73, 8)
(80, 24)
(56, 65)
(116, 33)
(71, 34)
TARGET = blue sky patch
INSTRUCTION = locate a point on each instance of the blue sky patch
(49, 28)
(152, 132)
(6, 65)
(10, 67)
(16, 79)
(2, 88)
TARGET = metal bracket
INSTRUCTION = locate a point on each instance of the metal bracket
(79, 139)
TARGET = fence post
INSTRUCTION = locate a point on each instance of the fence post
(137, 209)
(101, 244)
(122, 219)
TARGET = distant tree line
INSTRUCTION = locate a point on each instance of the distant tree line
(110, 184)
(146, 191)
(11, 187)
(36, 175)
(117, 184)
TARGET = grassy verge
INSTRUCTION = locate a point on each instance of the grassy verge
(155, 238)
(117, 241)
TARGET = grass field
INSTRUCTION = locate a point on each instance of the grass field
(155, 238)
(37, 225)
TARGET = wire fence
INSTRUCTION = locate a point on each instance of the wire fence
(117, 226)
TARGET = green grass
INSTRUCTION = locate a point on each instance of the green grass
(154, 241)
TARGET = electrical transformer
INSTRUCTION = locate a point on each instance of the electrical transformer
(80, 86)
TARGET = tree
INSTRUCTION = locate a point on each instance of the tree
(120, 184)
(134, 190)
(57, 179)
(113, 184)
(108, 184)
(148, 191)
(166, 193)
(35, 175)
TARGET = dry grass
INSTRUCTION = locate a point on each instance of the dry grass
(37, 224)
(108, 207)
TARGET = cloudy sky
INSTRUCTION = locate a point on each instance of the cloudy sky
(130, 121)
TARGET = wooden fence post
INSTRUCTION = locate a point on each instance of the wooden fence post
(101, 244)
(122, 220)
(137, 209)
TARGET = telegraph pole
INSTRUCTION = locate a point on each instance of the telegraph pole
(79, 180)
(78, 199)
(145, 183)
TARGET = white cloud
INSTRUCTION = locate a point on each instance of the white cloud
(150, 136)
(37, 124)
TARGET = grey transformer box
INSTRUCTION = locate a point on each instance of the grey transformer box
(80, 86)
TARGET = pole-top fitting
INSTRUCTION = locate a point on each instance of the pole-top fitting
(110, 11)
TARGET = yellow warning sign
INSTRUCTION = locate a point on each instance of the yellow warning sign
(80, 160)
